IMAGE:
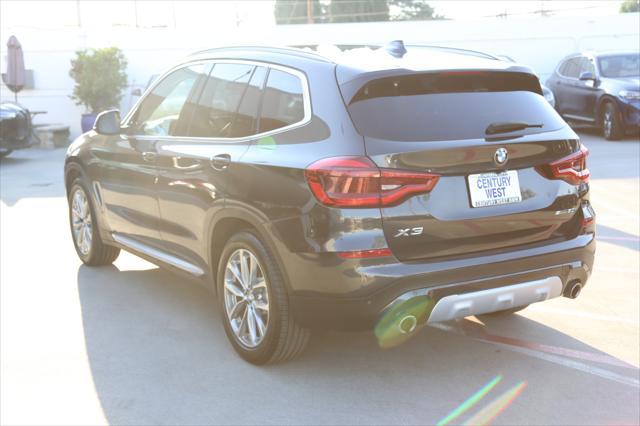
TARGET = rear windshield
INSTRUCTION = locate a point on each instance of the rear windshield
(449, 106)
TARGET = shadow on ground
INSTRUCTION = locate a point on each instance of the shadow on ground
(158, 354)
(617, 237)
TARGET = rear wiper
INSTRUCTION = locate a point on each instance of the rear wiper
(495, 128)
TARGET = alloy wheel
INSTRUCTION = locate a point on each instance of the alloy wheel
(81, 221)
(607, 123)
(246, 298)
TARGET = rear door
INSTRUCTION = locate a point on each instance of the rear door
(562, 88)
(489, 195)
(586, 91)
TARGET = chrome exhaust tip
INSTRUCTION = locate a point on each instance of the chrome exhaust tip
(573, 289)
(407, 324)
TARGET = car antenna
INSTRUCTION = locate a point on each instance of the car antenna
(396, 48)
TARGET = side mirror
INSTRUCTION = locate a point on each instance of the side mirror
(108, 122)
(587, 75)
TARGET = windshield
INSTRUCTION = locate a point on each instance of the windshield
(620, 66)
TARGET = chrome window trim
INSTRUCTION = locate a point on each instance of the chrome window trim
(306, 102)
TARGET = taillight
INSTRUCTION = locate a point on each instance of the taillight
(572, 169)
(358, 182)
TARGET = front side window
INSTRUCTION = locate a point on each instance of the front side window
(283, 102)
(163, 112)
(586, 65)
(229, 102)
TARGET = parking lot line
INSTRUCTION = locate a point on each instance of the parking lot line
(562, 360)
(598, 317)
(476, 330)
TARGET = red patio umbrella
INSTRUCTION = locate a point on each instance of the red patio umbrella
(15, 75)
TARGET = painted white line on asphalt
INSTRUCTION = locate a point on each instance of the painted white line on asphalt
(565, 362)
(556, 359)
(598, 317)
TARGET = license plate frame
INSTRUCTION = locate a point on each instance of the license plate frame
(491, 189)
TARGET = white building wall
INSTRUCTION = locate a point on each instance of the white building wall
(537, 42)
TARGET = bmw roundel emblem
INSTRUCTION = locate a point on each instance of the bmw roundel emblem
(501, 156)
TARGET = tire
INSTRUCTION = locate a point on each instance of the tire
(5, 153)
(281, 338)
(93, 252)
(506, 312)
(610, 122)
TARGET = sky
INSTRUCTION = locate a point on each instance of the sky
(170, 13)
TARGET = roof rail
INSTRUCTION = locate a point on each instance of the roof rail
(274, 49)
(347, 46)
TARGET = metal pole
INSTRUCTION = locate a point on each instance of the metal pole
(173, 12)
(309, 12)
(79, 15)
(135, 11)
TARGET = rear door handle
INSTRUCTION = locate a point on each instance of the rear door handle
(220, 162)
(149, 157)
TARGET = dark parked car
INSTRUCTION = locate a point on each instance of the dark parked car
(546, 92)
(15, 128)
(353, 192)
(601, 89)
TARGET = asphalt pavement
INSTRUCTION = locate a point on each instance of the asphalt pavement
(135, 344)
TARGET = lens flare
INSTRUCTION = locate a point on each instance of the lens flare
(470, 402)
(402, 321)
(489, 413)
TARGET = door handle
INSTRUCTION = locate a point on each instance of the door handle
(220, 162)
(149, 157)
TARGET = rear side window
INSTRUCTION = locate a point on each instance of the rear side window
(571, 68)
(283, 102)
(229, 102)
(449, 106)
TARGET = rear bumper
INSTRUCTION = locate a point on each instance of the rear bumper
(567, 260)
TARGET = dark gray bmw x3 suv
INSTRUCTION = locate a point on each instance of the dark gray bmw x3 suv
(364, 189)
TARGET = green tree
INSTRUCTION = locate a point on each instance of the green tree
(412, 10)
(630, 6)
(358, 10)
(295, 12)
(100, 78)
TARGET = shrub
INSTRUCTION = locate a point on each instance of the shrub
(100, 78)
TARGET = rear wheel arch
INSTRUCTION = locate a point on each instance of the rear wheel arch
(231, 222)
